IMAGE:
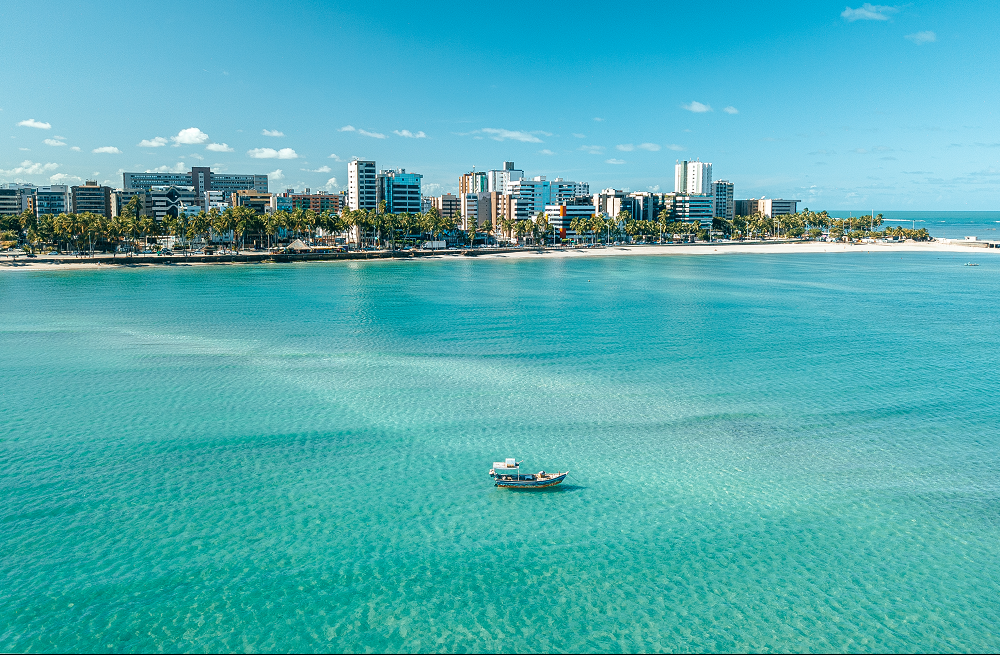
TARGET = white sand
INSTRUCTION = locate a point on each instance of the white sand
(73, 264)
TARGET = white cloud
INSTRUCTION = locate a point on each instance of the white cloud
(546, 151)
(191, 136)
(321, 169)
(31, 122)
(697, 107)
(25, 149)
(374, 135)
(271, 153)
(652, 147)
(196, 156)
(579, 136)
(921, 38)
(106, 150)
(77, 148)
(276, 175)
(179, 167)
(614, 161)
(599, 120)
(28, 167)
(62, 178)
(272, 133)
(592, 150)
(514, 135)
(731, 110)
(54, 142)
(868, 11)
(155, 142)
(625, 147)
(347, 128)
(675, 147)
(410, 135)
(218, 147)
(330, 185)
(335, 157)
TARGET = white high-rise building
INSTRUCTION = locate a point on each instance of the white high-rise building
(498, 181)
(530, 196)
(693, 177)
(362, 185)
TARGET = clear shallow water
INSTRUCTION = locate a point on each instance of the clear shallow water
(767, 453)
(941, 225)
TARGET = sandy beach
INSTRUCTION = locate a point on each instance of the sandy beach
(51, 263)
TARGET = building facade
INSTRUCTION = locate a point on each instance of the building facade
(498, 180)
(563, 191)
(318, 202)
(692, 177)
(91, 197)
(529, 197)
(399, 190)
(769, 207)
(54, 199)
(473, 183)
(200, 178)
(10, 201)
(447, 204)
(724, 203)
(259, 202)
(362, 185)
(169, 200)
(689, 207)
(562, 214)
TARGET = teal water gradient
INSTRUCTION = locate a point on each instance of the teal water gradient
(792, 452)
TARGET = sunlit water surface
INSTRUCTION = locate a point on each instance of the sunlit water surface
(766, 453)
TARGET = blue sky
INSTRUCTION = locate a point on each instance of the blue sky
(844, 106)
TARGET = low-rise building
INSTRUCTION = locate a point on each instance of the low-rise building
(561, 215)
(167, 200)
(769, 207)
(689, 207)
(259, 202)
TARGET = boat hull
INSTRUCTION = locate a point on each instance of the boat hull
(531, 484)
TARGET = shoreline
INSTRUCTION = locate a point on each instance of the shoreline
(53, 263)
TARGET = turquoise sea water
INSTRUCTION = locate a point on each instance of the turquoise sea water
(768, 453)
(940, 224)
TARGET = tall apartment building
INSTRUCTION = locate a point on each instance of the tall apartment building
(529, 196)
(362, 185)
(562, 191)
(724, 204)
(498, 180)
(201, 178)
(692, 177)
(91, 197)
(647, 205)
(473, 183)
(400, 191)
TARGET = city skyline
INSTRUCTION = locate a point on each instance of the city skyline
(840, 106)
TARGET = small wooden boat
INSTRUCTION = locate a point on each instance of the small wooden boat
(508, 474)
(972, 264)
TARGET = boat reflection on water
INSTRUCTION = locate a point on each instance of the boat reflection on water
(508, 474)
